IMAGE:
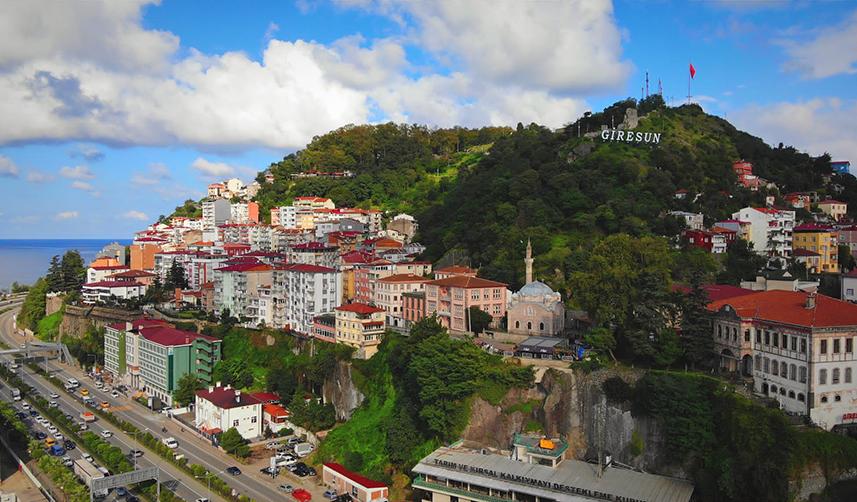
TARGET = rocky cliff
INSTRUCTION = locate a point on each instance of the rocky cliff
(76, 319)
(340, 391)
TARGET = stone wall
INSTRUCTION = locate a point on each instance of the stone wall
(77, 319)
(53, 302)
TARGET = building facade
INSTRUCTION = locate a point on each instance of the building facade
(821, 240)
(833, 208)
(450, 298)
(770, 230)
(360, 326)
(218, 409)
(389, 293)
(303, 291)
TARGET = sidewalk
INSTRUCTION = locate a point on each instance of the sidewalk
(15, 481)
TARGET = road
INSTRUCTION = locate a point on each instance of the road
(197, 450)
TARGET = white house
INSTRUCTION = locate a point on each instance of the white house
(218, 409)
(849, 287)
(301, 291)
(770, 230)
(93, 292)
(693, 221)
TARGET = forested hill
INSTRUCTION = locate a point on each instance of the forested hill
(485, 191)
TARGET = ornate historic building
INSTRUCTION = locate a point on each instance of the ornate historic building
(536, 309)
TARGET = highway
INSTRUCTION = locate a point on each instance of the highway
(171, 478)
(197, 450)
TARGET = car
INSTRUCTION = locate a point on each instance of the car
(40, 435)
(267, 471)
(14, 366)
(311, 471)
(105, 405)
(53, 404)
(68, 417)
(98, 385)
(302, 495)
(132, 498)
(69, 445)
(106, 434)
(293, 441)
(272, 445)
(52, 429)
(233, 470)
(87, 457)
(84, 392)
(171, 442)
(286, 488)
(166, 410)
(21, 415)
(67, 461)
(34, 413)
(58, 436)
(331, 494)
(136, 453)
(202, 500)
(25, 406)
(114, 394)
(54, 395)
(286, 461)
(82, 426)
(121, 491)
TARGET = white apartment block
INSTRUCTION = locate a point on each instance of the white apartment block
(693, 221)
(770, 230)
(302, 291)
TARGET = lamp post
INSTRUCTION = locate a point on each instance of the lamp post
(208, 477)
(145, 429)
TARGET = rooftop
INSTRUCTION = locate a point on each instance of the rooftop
(359, 308)
(789, 307)
(353, 476)
(171, 337)
(227, 397)
(455, 269)
(305, 268)
(112, 284)
(253, 266)
(467, 282)
(403, 278)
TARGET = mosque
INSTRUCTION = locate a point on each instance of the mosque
(535, 309)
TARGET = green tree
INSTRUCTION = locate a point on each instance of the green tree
(176, 277)
(742, 263)
(232, 442)
(478, 320)
(73, 271)
(54, 276)
(846, 258)
(186, 388)
(696, 341)
(33, 307)
(602, 340)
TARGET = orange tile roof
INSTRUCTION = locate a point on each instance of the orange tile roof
(403, 278)
(359, 308)
(467, 282)
(788, 307)
(455, 269)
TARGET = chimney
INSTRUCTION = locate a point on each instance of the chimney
(218, 384)
(810, 301)
(210, 388)
(129, 326)
(238, 396)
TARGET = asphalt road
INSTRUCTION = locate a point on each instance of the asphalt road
(197, 450)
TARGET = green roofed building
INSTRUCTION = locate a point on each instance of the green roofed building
(151, 356)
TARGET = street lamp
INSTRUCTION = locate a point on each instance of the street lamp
(208, 477)
(145, 429)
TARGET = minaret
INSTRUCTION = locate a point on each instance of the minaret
(528, 262)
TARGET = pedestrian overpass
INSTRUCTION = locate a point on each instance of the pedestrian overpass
(32, 349)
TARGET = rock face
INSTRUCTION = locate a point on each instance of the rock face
(573, 406)
(340, 391)
(77, 319)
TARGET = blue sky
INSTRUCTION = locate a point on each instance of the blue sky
(117, 112)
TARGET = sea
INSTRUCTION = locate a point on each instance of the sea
(25, 260)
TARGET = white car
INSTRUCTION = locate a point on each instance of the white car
(53, 404)
(54, 395)
(52, 429)
(114, 394)
(58, 436)
(67, 461)
(106, 434)
(171, 442)
(285, 461)
(25, 407)
(87, 457)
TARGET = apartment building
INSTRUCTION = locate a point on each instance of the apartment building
(244, 212)
(818, 246)
(833, 208)
(218, 409)
(799, 347)
(770, 230)
(450, 298)
(153, 356)
(235, 285)
(143, 251)
(366, 278)
(389, 291)
(215, 212)
(301, 292)
(314, 253)
(360, 326)
(104, 291)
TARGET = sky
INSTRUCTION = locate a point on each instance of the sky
(114, 112)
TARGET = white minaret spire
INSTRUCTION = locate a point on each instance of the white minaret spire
(528, 261)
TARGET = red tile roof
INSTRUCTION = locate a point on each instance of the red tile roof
(306, 268)
(169, 336)
(110, 267)
(266, 397)
(716, 291)
(131, 274)
(354, 477)
(403, 278)
(359, 308)
(455, 269)
(253, 266)
(139, 323)
(275, 410)
(467, 282)
(831, 201)
(112, 284)
(812, 227)
(227, 398)
(788, 307)
(313, 246)
(804, 252)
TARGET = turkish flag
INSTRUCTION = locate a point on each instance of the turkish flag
(692, 71)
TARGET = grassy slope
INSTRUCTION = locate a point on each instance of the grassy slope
(48, 327)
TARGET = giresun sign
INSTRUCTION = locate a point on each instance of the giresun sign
(631, 136)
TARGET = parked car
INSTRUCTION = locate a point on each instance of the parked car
(302, 495)
(52, 429)
(286, 488)
(53, 404)
(87, 457)
(84, 392)
(67, 461)
(58, 436)
(106, 434)
(40, 435)
(272, 445)
(54, 395)
(69, 445)
(267, 471)
(233, 470)
(331, 495)
(121, 491)
(114, 394)
(25, 406)
(293, 441)
(105, 405)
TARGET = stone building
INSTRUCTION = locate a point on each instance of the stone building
(536, 309)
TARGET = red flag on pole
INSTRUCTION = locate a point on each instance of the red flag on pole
(692, 71)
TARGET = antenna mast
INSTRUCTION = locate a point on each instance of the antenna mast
(647, 84)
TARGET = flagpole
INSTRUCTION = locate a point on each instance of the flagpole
(688, 80)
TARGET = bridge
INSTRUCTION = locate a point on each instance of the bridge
(33, 348)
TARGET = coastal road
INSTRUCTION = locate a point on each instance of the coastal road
(197, 450)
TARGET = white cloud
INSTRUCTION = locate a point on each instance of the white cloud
(502, 62)
(86, 187)
(271, 30)
(213, 170)
(39, 177)
(89, 153)
(135, 215)
(154, 174)
(833, 51)
(67, 215)
(816, 126)
(8, 168)
(77, 173)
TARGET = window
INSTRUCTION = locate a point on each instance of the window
(847, 375)
(822, 377)
(719, 331)
(517, 324)
(802, 374)
(791, 394)
(758, 336)
(824, 346)
(794, 342)
(835, 378)
(252, 420)
(849, 345)
(784, 370)
(734, 334)
(775, 368)
(836, 346)
(776, 339)
(746, 335)
(767, 365)
(824, 399)
(767, 338)
(235, 423)
(802, 346)
(782, 391)
(800, 397)
(837, 398)
(792, 372)
(785, 341)
(773, 389)
(529, 325)
(541, 326)
(758, 362)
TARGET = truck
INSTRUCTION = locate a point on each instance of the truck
(16, 394)
(87, 472)
(87, 416)
(303, 449)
